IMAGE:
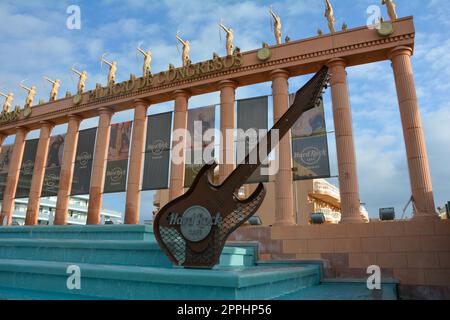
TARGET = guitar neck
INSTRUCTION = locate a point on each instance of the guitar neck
(305, 99)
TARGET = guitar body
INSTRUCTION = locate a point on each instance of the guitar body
(192, 229)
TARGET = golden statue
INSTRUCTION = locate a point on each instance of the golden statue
(81, 81)
(186, 51)
(112, 70)
(55, 88)
(390, 5)
(230, 38)
(329, 14)
(30, 97)
(8, 102)
(276, 25)
(146, 69)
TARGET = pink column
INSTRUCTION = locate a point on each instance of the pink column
(284, 196)
(99, 166)
(2, 139)
(227, 123)
(179, 122)
(66, 175)
(13, 175)
(419, 171)
(38, 174)
(136, 162)
(348, 179)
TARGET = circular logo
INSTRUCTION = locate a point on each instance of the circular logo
(116, 174)
(77, 99)
(263, 54)
(196, 223)
(310, 156)
(27, 112)
(158, 147)
(28, 167)
(84, 158)
(50, 182)
(386, 29)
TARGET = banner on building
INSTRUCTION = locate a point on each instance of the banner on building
(119, 149)
(53, 167)
(81, 180)
(5, 158)
(251, 114)
(26, 169)
(310, 145)
(199, 121)
(157, 152)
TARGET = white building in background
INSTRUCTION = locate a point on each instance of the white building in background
(77, 215)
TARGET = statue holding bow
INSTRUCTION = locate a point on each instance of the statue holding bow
(146, 69)
(112, 69)
(81, 81)
(230, 38)
(276, 25)
(8, 101)
(329, 14)
(54, 92)
(186, 51)
(31, 94)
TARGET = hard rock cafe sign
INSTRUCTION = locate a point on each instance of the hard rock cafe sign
(7, 117)
(172, 75)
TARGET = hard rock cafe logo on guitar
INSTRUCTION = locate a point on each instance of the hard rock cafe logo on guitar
(195, 223)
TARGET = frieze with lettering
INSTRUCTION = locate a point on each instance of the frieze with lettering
(165, 77)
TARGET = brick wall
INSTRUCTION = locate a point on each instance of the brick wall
(414, 252)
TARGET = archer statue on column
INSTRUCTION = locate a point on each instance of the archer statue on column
(230, 38)
(55, 88)
(146, 69)
(329, 14)
(186, 51)
(82, 81)
(8, 101)
(112, 70)
(276, 25)
(31, 94)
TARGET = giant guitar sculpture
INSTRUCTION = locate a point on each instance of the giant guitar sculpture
(192, 229)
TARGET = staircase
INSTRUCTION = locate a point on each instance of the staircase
(125, 262)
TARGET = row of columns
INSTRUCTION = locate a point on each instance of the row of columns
(349, 191)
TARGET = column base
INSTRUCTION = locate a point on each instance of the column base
(351, 220)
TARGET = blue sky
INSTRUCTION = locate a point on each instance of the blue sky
(36, 42)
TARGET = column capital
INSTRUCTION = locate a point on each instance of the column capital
(75, 117)
(400, 50)
(46, 124)
(181, 93)
(105, 110)
(337, 62)
(279, 73)
(140, 102)
(22, 129)
(228, 84)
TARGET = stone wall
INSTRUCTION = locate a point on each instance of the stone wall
(417, 253)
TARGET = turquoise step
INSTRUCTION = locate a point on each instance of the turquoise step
(90, 232)
(129, 253)
(40, 279)
(341, 289)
